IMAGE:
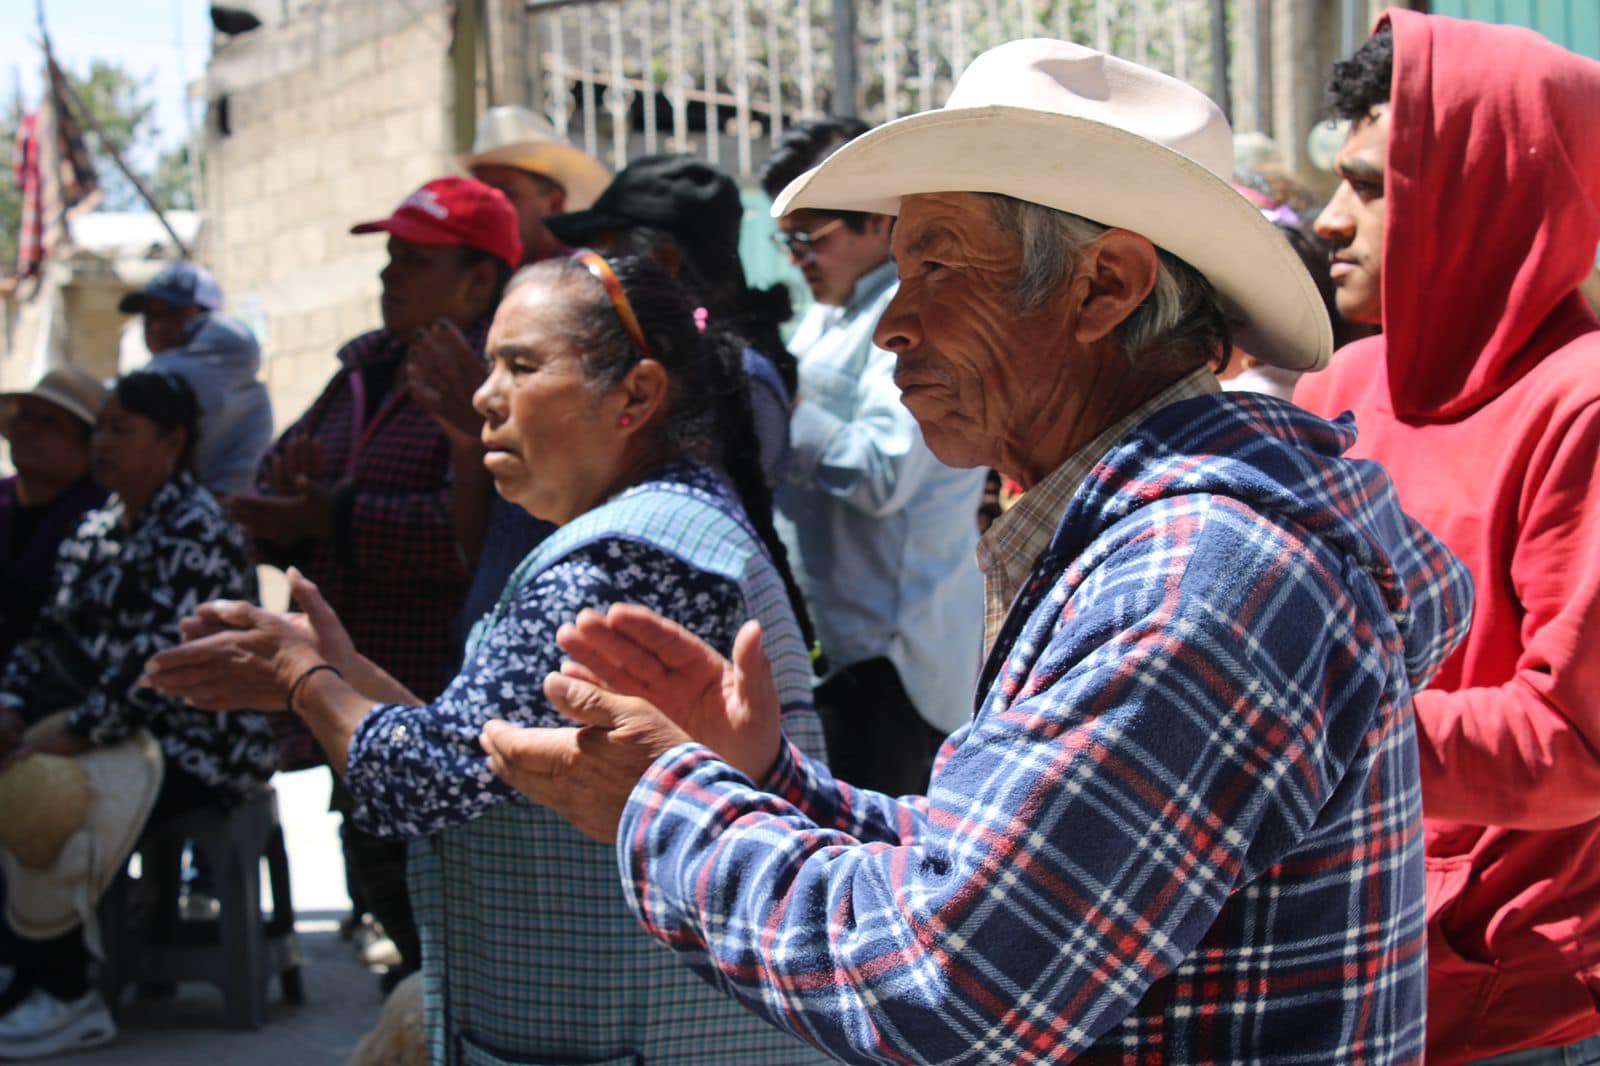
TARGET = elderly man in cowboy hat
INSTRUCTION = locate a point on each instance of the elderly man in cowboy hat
(539, 170)
(1184, 821)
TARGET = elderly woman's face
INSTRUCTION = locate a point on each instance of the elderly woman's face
(552, 447)
(977, 376)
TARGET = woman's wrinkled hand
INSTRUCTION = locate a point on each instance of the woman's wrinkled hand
(442, 373)
(730, 707)
(326, 631)
(235, 656)
(584, 774)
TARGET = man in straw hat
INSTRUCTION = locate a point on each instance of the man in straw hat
(1465, 223)
(1184, 823)
(539, 170)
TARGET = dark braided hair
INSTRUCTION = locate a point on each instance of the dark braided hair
(709, 418)
(755, 315)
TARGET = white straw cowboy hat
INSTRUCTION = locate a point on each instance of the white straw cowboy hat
(1071, 128)
(122, 781)
(516, 137)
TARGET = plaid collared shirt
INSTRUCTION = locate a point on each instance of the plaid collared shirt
(1007, 552)
(1184, 826)
(391, 570)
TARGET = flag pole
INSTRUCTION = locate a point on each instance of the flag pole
(58, 78)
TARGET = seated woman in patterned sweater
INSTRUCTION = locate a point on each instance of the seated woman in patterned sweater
(154, 552)
(611, 415)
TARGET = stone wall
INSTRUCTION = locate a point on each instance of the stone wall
(323, 120)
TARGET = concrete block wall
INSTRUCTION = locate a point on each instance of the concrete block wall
(334, 115)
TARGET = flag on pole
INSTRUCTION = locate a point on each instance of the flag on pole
(54, 172)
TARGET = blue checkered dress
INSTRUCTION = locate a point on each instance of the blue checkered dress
(530, 954)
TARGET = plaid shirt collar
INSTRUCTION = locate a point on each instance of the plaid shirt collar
(1014, 542)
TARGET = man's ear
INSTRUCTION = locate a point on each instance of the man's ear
(557, 198)
(880, 226)
(641, 395)
(1114, 275)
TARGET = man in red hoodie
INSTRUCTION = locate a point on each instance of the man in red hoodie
(1467, 217)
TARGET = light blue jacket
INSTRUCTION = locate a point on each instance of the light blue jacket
(220, 361)
(882, 535)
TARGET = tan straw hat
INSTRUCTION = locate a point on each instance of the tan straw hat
(1065, 126)
(46, 799)
(123, 780)
(70, 388)
(516, 137)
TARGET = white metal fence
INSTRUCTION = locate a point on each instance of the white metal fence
(721, 78)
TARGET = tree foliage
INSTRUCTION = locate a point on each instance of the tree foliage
(122, 105)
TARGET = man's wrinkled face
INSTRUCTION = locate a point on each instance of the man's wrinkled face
(975, 373)
(1353, 220)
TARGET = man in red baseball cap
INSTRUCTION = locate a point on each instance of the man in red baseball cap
(357, 493)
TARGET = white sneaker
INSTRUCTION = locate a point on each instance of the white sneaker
(43, 1025)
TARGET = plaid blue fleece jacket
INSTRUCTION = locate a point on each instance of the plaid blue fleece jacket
(1184, 824)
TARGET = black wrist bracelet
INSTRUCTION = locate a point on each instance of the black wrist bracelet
(295, 688)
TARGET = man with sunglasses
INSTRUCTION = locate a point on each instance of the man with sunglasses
(883, 534)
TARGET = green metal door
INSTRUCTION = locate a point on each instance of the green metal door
(1573, 24)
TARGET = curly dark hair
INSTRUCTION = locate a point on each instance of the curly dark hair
(1361, 83)
(709, 418)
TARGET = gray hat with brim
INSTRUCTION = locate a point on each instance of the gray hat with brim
(70, 388)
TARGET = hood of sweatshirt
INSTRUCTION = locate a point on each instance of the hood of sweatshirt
(217, 346)
(1493, 209)
(1290, 465)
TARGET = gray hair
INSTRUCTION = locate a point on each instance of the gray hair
(1181, 319)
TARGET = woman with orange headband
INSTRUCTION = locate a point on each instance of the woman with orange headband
(609, 413)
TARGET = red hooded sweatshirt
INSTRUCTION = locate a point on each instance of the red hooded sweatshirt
(1482, 397)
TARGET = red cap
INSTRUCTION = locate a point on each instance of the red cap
(456, 211)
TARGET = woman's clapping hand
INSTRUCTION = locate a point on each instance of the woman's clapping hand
(641, 685)
(236, 655)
